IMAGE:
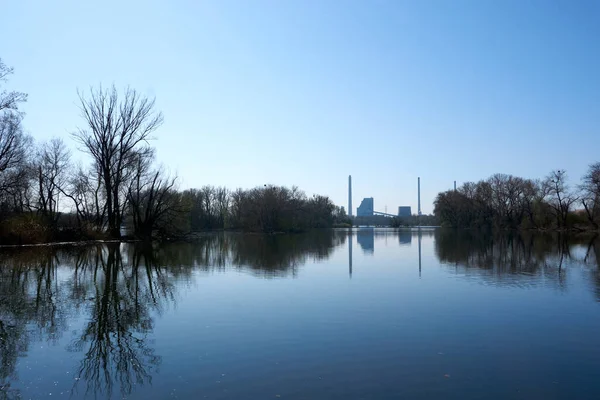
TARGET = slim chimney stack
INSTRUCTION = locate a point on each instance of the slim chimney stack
(349, 195)
(419, 195)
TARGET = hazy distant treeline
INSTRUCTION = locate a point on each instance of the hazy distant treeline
(45, 196)
(509, 202)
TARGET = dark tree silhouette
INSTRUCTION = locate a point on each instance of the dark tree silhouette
(590, 194)
(509, 202)
(9, 100)
(117, 132)
(51, 170)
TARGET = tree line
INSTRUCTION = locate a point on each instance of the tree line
(268, 208)
(415, 220)
(45, 196)
(509, 202)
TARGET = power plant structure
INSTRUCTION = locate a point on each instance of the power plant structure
(366, 208)
(367, 205)
(404, 211)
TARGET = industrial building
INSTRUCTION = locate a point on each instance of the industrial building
(404, 211)
(366, 208)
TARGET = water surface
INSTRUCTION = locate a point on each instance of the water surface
(362, 314)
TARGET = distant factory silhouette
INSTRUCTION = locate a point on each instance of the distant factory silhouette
(367, 205)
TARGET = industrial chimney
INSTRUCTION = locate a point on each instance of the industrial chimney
(419, 196)
(349, 195)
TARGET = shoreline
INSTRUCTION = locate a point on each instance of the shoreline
(193, 236)
(70, 243)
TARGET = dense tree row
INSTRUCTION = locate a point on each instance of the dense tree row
(267, 209)
(45, 196)
(509, 202)
(415, 220)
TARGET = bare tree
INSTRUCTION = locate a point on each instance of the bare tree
(590, 194)
(153, 200)
(12, 141)
(84, 189)
(208, 202)
(51, 169)
(559, 197)
(531, 199)
(222, 200)
(117, 128)
(238, 199)
(9, 100)
(15, 171)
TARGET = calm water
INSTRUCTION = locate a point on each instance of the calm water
(367, 314)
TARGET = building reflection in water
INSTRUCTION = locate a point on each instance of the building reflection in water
(405, 237)
(366, 239)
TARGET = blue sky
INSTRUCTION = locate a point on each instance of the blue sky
(307, 92)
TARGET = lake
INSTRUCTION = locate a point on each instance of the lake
(361, 314)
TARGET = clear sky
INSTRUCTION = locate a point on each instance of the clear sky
(307, 92)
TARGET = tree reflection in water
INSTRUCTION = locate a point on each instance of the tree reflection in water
(262, 255)
(508, 259)
(119, 289)
(123, 296)
(30, 308)
(592, 257)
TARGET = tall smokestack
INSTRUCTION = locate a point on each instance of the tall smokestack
(350, 195)
(419, 195)
(455, 186)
